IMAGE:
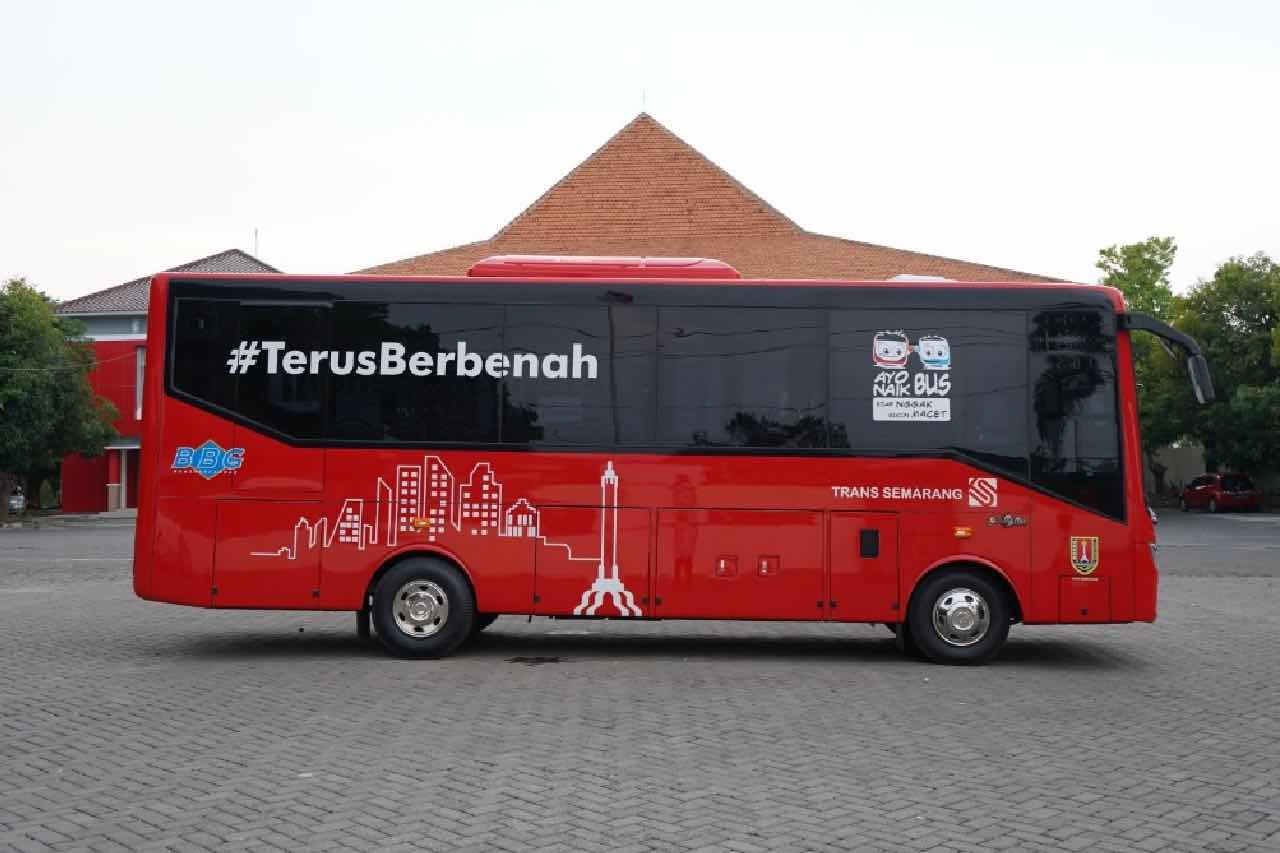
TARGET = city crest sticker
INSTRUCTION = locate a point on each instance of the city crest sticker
(1084, 554)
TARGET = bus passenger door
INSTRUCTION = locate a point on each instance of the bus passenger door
(267, 553)
(864, 567)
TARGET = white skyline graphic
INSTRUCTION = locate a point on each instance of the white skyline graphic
(428, 500)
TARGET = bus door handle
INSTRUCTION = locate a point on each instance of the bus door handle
(868, 543)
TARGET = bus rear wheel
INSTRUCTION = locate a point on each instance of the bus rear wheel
(959, 616)
(423, 608)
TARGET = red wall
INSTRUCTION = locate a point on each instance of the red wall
(131, 480)
(84, 484)
(116, 377)
(84, 481)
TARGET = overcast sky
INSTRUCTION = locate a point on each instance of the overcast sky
(136, 136)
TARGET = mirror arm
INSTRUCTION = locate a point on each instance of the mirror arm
(1137, 321)
(1197, 366)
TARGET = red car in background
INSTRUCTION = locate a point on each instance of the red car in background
(1216, 492)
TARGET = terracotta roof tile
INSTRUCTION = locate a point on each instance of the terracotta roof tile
(648, 192)
(131, 297)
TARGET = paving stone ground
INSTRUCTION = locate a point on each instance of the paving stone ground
(129, 725)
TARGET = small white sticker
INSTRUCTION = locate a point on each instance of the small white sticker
(911, 409)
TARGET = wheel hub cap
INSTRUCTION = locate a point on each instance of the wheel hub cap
(961, 617)
(421, 608)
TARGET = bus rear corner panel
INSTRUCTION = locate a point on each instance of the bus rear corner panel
(1146, 582)
(180, 569)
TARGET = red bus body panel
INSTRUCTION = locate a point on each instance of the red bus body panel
(692, 536)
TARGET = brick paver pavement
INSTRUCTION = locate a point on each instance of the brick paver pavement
(129, 725)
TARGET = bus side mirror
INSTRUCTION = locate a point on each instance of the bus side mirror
(1201, 382)
(1197, 367)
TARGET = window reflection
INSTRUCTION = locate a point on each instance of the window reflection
(742, 377)
(1075, 445)
(204, 330)
(406, 407)
(614, 408)
(981, 354)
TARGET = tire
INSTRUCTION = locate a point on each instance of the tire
(423, 608)
(1213, 505)
(905, 642)
(482, 621)
(959, 597)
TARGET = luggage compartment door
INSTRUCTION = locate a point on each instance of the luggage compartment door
(864, 567)
(739, 564)
(267, 553)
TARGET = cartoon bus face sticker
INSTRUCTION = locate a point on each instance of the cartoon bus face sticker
(935, 352)
(890, 350)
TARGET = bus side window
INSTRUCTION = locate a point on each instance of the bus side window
(1075, 431)
(440, 402)
(969, 367)
(608, 397)
(203, 332)
(742, 377)
(288, 401)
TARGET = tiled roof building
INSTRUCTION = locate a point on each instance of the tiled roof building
(648, 192)
(115, 320)
(131, 297)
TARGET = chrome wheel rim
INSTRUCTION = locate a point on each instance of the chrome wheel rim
(961, 617)
(420, 609)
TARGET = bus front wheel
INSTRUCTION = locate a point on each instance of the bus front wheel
(959, 616)
(423, 608)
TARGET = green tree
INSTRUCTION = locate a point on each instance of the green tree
(47, 407)
(1141, 272)
(1250, 442)
(1236, 318)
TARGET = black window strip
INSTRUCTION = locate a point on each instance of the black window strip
(658, 296)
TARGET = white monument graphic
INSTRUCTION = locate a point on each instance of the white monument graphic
(427, 502)
(607, 581)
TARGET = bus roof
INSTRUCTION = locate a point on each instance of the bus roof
(1112, 295)
(580, 266)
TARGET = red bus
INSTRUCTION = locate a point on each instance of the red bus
(647, 439)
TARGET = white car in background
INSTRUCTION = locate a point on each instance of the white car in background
(17, 501)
